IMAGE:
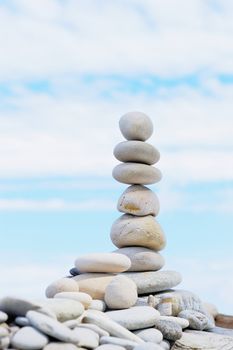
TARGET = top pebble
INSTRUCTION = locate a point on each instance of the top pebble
(136, 126)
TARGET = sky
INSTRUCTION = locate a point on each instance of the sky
(68, 71)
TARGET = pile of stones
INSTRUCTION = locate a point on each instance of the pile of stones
(119, 300)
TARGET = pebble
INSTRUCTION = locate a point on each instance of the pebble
(148, 346)
(87, 338)
(83, 298)
(137, 152)
(143, 259)
(137, 317)
(181, 321)
(3, 332)
(113, 328)
(136, 174)
(97, 305)
(4, 343)
(74, 272)
(29, 338)
(120, 293)
(17, 306)
(211, 309)
(150, 335)
(64, 309)
(110, 347)
(94, 284)
(165, 345)
(21, 321)
(154, 281)
(136, 126)
(3, 317)
(60, 346)
(171, 330)
(94, 328)
(127, 344)
(144, 231)
(138, 200)
(197, 320)
(102, 262)
(51, 327)
(61, 285)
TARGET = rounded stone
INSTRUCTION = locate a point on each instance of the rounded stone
(127, 344)
(102, 262)
(184, 323)
(137, 152)
(136, 126)
(143, 259)
(87, 338)
(150, 335)
(144, 231)
(110, 347)
(60, 346)
(3, 317)
(197, 320)
(148, 346)
(94, 284)
(137, 317)
(170, 330)
(121, 293)
(138, 200)
(61, 285)
(98, 305)
(29, 338)
(83, 298)
(21, 321)
(64, 309)
(136, 174)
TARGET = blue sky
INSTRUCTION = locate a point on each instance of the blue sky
(68, 71)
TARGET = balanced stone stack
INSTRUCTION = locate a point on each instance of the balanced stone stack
(119, 300)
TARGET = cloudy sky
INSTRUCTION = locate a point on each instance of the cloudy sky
(68, 71)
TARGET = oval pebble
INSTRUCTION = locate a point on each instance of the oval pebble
(136, 173)
(83, 298)
(61, 285)
(102, 262)
(136, 152)
(120, 293)
(150, 335)
(29, 338)
(136, 126)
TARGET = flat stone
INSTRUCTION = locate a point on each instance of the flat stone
(87, 338)
(127, 344)
(60, 346)
(17, 306)
(138, 200)
(142, 259)
(83, 298)
(97, 304)
(3, 317)
(102, 262)
(61, 285)
(137, 152)
(120, 293)
(29, 338)
(94, 328)
(197, 320)
(94, 284)
(21, 321)
(136, 174)
(196, 340)
(184, 323)
(64, 309)
(136, 126)
(137, 317)
(148, 346)
(51, 327)
(110, 347)
(171, 330)
(224, 331)
(101, 320)
(154, 281)
(150, 335)
(144, 231)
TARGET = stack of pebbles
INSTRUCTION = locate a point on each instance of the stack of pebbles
(118, 300)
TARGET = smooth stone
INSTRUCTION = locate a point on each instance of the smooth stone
(61, 285)
(29, 338)
(165, 345)
(74, 272)
(171, 330)
(150, 335)
(197, 320)
(64, 309)
(138, 200)
(21, 321)
(181, 321)
(137, 152)
(211, 309)
(110, 347)
(3, 317)
(87, 338)
(71, 324)
(83, 298)
(197, 340)
(127, 344)
(94, 284)
(136, 174)
(143, 259)
(129, 230)
(97, 305)
(4, 343)
(154, 281)
(137, 317)
(102, 262)
(51, 327)
(101, 320)
(120, 293)
(148, 346)
(17, 306)
(60, 346)
(3, 332)
(94, 328)
(136, 126)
